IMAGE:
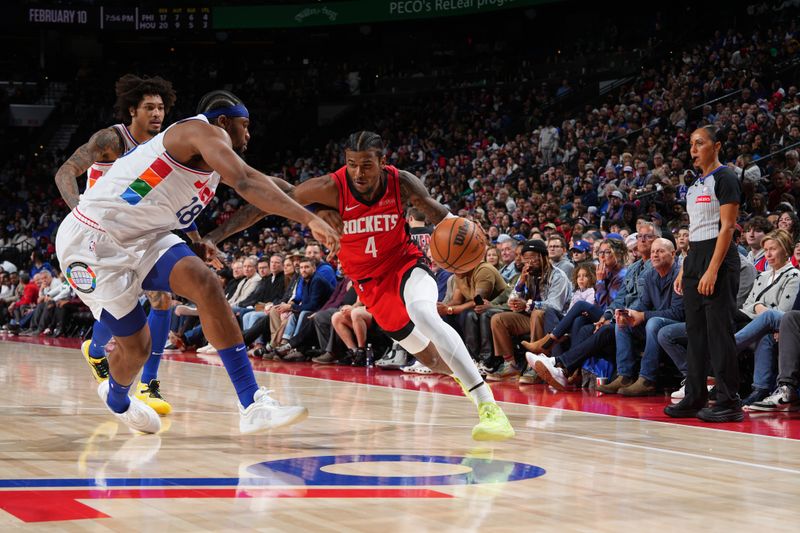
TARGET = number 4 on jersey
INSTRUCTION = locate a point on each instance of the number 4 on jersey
(370, 249)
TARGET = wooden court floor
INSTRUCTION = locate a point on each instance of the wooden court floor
(369, 458)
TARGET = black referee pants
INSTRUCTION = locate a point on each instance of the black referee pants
(709, 325)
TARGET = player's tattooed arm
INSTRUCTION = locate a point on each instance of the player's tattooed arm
(323, 194)
(413, 190)
(105, 145)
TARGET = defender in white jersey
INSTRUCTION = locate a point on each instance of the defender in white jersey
(118, 241)
(142, 103)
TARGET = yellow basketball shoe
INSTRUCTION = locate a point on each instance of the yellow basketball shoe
(150, 394)
(493, 425)
(98, 366)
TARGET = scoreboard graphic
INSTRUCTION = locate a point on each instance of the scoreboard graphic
(152, 19)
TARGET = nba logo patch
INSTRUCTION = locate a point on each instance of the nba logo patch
(81, 277)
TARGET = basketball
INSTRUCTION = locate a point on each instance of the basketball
(458, 245)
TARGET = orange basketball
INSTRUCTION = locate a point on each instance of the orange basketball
(458, 245)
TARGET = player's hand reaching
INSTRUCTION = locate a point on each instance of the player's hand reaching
(325, 234)
(332, 218)
(208, 252)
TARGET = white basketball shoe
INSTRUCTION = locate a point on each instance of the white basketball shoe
(139, 416)
(267, 413)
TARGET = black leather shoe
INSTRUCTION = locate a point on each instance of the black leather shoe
(682, 409)
(721, 413)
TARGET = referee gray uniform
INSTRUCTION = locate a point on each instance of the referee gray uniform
(709, 319)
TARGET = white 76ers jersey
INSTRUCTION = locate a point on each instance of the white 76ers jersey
(99, 168)
(146, 193)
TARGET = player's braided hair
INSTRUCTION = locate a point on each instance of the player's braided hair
(131, 90)
(216, 100)
(362, 141)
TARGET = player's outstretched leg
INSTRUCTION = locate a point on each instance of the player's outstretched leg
(189, 277)
(125, 362)
(149, 387)
(94, 351)
(420, 296)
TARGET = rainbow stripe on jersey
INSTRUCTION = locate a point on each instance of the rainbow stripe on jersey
(147, 181)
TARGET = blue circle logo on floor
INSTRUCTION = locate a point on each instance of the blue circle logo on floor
(310, 471)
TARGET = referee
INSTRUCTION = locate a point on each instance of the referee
(709, 281)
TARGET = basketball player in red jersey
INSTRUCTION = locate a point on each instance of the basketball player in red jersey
(369, 198)
(142, 104)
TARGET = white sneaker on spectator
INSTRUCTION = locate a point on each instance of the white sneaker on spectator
(267, 413)
(528, 377)
(417, 368)
(397, 359)
(207, 349)
(138, 417)
(785, 398)
(555, 376)
(679, 394)
(483, 370)
(533, 357)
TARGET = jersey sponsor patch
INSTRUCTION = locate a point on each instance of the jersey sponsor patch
(81, 277)
(705, 199)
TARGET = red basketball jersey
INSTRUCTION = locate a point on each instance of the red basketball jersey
(375, 239)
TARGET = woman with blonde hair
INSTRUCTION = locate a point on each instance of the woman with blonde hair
(773, 293)
(493, 257)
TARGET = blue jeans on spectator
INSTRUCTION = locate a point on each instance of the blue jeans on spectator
(574, 320)
(761, 328)
(249, 319)
(293, 326)
(626, 358)
(588, 344)
(674, 340)
(194, 336)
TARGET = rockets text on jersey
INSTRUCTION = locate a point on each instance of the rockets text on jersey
(375, 237)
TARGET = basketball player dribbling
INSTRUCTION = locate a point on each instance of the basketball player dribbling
(118, 241)
(142, 104)
(387, 268)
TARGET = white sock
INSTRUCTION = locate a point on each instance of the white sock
(420, 296)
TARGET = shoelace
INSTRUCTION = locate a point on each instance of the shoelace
(266, 398)
(102, 368)
(490, 412)
(153, 389)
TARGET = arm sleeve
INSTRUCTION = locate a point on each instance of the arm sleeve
(559, 292)
(619, 300)
(727, 187)
(750, 302)
(645, 301)
(484, 282)
(789, 293)
(747, 276)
